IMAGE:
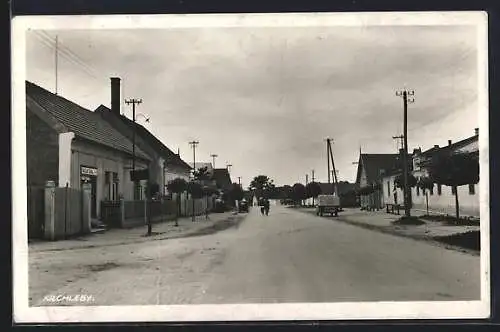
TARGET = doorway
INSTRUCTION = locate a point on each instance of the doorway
(92, 180)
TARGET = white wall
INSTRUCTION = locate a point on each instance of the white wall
(105, 160)
(65, 141)
(445, 203)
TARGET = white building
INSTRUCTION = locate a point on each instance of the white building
(440, 199)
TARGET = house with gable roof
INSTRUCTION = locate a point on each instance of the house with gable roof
(369, 178)
(71, 145)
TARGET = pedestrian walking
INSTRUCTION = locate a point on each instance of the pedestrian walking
(266, 207)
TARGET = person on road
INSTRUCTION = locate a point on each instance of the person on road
(266, 207)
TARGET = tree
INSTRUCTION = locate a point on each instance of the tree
(153, 189)
(195, 189)
(261, 185)
(201, 174)
(313, 189)
(177, 186)
(236, 193)
(399, 181)
(454, 170)
(425, 183)
(299, 192)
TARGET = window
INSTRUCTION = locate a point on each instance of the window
(107, 181)
(114, 188)
(388, 188)
(439, 189)
(453, 190)
(431, 190)
(418, 191)
(472, 189)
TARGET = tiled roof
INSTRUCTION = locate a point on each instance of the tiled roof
(160, 148)
(222, 178)
(84, 123)
(452, 146)
(373, 163)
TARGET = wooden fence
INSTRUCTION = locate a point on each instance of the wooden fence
(69, 214)
(36, 211)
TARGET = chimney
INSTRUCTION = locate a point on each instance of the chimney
(115, 95)
(476, 131)
(436, 146)
(449, 142)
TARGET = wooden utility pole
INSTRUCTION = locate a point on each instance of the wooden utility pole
(134, 102)
(328, 157)
(56, 60)
(193, 145)
(213, 159)
(405, 93)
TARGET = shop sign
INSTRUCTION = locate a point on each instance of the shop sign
(88, 171)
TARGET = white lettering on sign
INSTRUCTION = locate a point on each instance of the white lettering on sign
(89, 171)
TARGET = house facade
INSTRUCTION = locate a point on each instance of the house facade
(71, 145)
(370, 176)
(164, 164)
(441, 198)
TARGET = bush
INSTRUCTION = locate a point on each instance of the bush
(469, 240)
(410, 221)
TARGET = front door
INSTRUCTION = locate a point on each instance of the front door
(92, 180)
(89, 175)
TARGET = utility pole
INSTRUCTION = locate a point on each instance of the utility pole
(307, 178)
(239, 181)
(56, 55)
(312, 175)
(401, 138)
(328, 157)
(134, 102)
(213, 159)
(193, 144)
(405, 93)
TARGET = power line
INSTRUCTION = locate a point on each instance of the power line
(66, 50)
(66, 53)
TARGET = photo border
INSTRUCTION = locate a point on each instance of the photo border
(241, 312)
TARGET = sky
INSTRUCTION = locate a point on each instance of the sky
(264, 99)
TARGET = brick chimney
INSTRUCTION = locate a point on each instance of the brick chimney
(115, 95)
(476, 131)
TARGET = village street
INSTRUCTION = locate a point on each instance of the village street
(288, 256)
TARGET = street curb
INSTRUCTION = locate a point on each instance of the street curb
(394, 232)
(209, 229)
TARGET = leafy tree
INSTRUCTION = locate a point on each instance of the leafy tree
(399, 181)
(201, 174)
(236, 193)
(454, 170)
(313, 189)
(299, 192)
(262, 185)
(153, 189)
(177, 186)
(425, 183)
(195, 189)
